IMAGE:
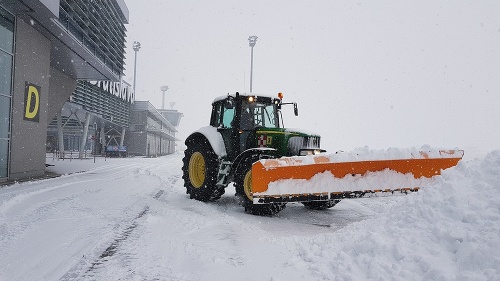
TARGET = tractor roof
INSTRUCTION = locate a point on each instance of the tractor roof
(245, 95)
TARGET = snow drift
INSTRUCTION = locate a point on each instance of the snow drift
(448, 231)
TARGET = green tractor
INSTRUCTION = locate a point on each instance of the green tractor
(243, 130)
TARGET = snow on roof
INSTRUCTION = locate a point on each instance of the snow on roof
(219, 98)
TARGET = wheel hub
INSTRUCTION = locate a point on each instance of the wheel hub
(247, 185)
(197, 169)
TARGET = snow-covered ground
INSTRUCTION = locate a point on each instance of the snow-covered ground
(130, 219)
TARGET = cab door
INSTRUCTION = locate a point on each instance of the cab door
(223, 118)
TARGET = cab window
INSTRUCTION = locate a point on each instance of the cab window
(227, 117)
(222, 115)
(216, 115)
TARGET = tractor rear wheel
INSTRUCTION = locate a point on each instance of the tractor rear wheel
(243, 185)
(321, 205)
(200, 169)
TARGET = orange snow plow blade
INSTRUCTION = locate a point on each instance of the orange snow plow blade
(320, 177)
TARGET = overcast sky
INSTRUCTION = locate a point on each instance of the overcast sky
(364, 73)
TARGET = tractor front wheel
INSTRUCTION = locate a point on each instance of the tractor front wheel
(243, 185)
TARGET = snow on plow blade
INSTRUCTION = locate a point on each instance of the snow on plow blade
(338, 176)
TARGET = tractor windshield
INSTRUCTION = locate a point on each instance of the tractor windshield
(258, 114)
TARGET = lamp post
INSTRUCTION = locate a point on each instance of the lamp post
(251, 41)
(163, 89)
(136, 46)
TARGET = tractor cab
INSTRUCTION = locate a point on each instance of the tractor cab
(245, 112)
(239, 117)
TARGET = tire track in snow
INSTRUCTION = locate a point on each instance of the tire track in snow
(113, 249)
(87, 267)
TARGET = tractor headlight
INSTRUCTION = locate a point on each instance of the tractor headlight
(318, 151)
(304, 152)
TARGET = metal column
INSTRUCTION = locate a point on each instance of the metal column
(60, 135)
(122, 136)
(103, 140)
(85, 134)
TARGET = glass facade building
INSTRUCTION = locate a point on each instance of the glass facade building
(99, 27)
(6, 60)
(151, 132)
(46, 48)
(50, 52)
(100, 98)
(108, 106)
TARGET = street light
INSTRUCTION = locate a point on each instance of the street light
(163, 89)
(251, 41)
(136, 46)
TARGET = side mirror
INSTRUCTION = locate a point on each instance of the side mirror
(295, 109)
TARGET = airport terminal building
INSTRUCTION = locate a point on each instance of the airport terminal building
(95, 117)
(152, 131)
(58, 61)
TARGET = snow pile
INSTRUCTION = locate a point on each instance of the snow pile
(365, 154)
(448, 231)
(326, 182)
(376, 180)
(393, 153)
